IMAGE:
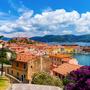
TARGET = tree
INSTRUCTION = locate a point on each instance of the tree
(1, 37)
(4, 58)
(43, 78)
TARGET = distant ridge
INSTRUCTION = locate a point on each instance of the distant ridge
(63, 38)
(5, 38)
(58, 38)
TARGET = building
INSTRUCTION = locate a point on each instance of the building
(58, 59)
(86, 49)
(26, 65)
(62, 70)
(70, 48)
(1, 44)
(52, 49)
(22, 39)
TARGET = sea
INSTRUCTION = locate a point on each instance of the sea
(83, 59)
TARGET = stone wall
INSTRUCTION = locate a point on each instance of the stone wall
(36, 65)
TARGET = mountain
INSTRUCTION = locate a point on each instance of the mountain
(5, 38)
(58, 38)
(63, 38)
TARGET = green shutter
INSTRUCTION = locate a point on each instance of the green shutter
(17, 64)
(24, 75)
(12, 72)
(17, 73)
(24, 65)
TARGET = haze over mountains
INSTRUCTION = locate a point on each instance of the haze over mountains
(59, 38)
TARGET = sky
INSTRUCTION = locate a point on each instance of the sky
(29, 18)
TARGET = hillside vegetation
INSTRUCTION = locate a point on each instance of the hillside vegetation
(63, 38)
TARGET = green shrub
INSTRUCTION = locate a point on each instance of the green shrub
(43, 78)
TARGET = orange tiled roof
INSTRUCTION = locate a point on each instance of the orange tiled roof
(60, 56)
(66, 68)
(86, 48)
(24, 57)
(66, 59)
(53, 66)
(1, 40)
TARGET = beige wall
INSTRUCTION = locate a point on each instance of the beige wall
(36, 66)
(0, 45)
(73, 61)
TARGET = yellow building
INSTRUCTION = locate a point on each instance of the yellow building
(49, 49)
(26, 65)
(52, 49)
(69, 49)
(56, 49)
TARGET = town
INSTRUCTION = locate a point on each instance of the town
(39, 57)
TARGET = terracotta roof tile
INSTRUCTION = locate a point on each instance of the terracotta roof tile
(66, 68)
(24, 57)
(66, 59)
(60, 56)
(1, 40)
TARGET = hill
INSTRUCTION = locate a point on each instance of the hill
(63, 38)
(58, 38)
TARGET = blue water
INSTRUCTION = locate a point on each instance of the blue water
(82, 59)
(69, 43)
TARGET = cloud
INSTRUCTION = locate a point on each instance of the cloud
(47, 9)
(67, 32)
(83, 24)
(46, 32)
(40, 22)
(47, 22)
(9, 11)
(21, 34)
(18, 5)
(52, 27)
(2, 13)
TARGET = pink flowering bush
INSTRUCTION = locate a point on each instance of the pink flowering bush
(78, 80)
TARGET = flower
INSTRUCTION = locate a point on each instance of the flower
(78, 79)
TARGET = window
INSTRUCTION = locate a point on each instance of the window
(24, 65)
(17, 73)
(17, 64)
(12, 72)
(57, 59)
(54, 58)
(60, 60)
(24, 75)
(56, 74)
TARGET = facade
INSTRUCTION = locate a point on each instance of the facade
(52, 49)
(86, 49)
(26, 65)
(70, 48)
